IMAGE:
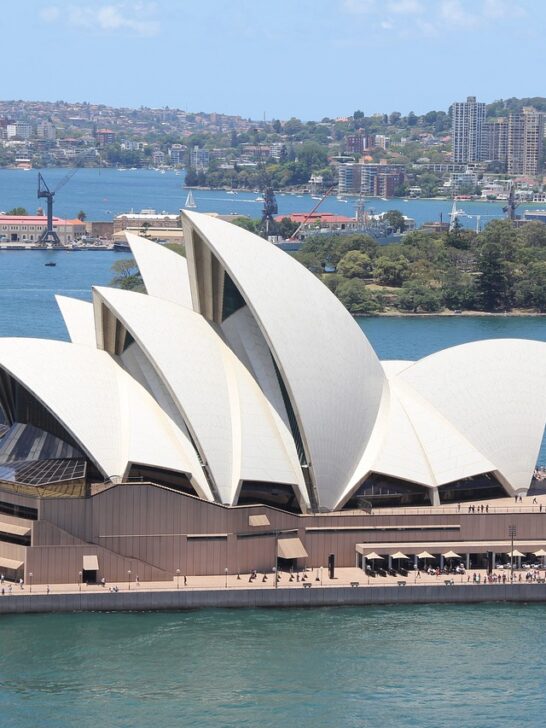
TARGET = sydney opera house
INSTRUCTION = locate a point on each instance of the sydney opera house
(234, 413)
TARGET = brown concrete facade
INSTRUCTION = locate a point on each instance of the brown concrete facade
(153, 531)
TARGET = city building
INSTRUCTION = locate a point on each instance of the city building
(497, 140)
(349, 178)
(46, 130)
(26, 229)
(355, 143)
(105, 137)
(468, 130)
(525, 142)
(199, 159)
(146, 219)
(235, 415)
(19, 130)
(176, 154)
(381, 180)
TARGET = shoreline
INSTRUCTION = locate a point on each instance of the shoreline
(283, 597)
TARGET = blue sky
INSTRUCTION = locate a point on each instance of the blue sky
(305, 58)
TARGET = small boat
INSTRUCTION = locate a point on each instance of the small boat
(190, 202)
(259, 199)
(50, 265)
(230, 192)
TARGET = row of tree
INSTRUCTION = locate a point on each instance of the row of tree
(502, 268)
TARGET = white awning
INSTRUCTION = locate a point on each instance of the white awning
(373, 556)
(10, 563)
(90, 563)
(451, 555)
(13, 529)
(291, 548)
(425, 555)
(261, 520)
(399, 555)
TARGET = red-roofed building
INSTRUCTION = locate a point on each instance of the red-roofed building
(105, 137)
(28, 228)
(321, 220)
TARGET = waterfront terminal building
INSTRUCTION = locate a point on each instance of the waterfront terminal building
(234, 416)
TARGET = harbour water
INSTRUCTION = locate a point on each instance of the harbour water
(425, 666)
(104, 193)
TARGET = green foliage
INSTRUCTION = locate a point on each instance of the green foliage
(247, 223)
(355, 264)
(498, 248)
(391, 271)
(17, 211)
(357, 297)
(127, 275)
(395, 220)
(82, 216)
(418, 297)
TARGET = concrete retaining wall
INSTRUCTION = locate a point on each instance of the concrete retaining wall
(251, 598)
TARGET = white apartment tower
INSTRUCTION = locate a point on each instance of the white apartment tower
(525, 141)
(468, 131)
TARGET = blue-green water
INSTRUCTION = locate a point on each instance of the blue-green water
(418, 666)
(104, 193)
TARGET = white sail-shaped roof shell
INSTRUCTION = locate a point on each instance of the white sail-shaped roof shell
(112, 418)
(239, 434)
(494, 393)
(332, 375)
(165, 273)
(79, 319)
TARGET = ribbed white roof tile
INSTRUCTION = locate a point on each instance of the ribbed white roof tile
(79, 320)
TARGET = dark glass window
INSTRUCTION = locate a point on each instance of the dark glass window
(232, 300)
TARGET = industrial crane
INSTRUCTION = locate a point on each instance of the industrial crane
(49, 235)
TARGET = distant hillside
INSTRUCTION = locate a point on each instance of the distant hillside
(502, 107)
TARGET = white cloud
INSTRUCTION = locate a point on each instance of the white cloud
(406, 7)
(359, 7)
(50, 13)
(137, 18)
(455, 13)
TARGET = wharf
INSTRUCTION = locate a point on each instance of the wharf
(350, 588)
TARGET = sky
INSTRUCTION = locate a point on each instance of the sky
(278, 58)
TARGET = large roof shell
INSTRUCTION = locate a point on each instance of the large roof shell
(234, 426)
(111, 417)
(332, 375)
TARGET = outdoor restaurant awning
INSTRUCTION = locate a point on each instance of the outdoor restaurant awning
(399, 555)
(291, 548)
(258, 520)
(425, 555)
(373, 555)
(13, 529)
(515, 552)
(451, 555)
(10, 563)
(90, 563)
(540, 552)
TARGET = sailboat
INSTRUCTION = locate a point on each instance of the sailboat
(190, 202)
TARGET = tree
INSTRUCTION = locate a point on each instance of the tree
(458, 290)
(533, 234)
(419, 297)
(82, 216)
(498, 248)
(354, 264)
(395, 220)
(127, 275)
(390, 271)
(247, 223)
(357, 297)
(18, 211)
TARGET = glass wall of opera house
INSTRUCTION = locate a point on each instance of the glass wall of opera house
(235, 404)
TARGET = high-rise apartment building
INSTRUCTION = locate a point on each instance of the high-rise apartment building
(497, 140)
(525, 142)
(468, 132)
(348, 178)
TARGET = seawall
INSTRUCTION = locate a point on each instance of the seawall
(283, 597)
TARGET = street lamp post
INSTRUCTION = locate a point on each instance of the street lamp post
(178, 578)
(226, 573)
(512, 533)
(129, 575)
(80, 580)
(30, 581)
